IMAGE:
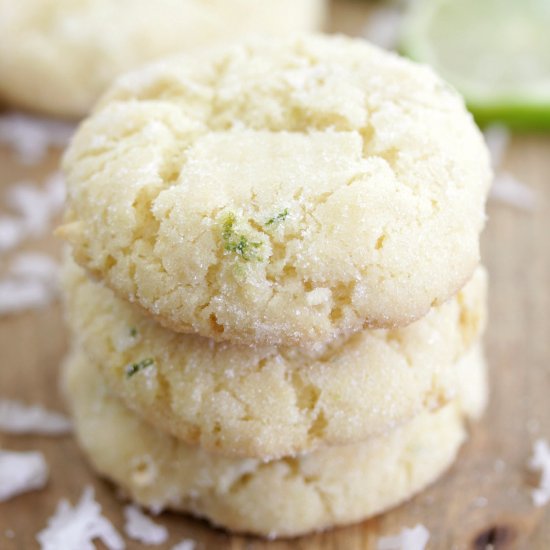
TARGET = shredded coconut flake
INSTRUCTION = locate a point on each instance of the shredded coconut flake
(497, 138)
(18, 418)
(29, 202)
(32, 283)
(37, 204)
(540, 461)
(409, 539)
(18, 296)
(186, 544)
(12, 232)
(30, 137)
(34, 265)
(21, 472)
(142, 528)
(76, 528)
(383, 27)
(507, 189)
(34, 206)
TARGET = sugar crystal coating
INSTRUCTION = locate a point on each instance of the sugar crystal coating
(285, 497)
(220, 191)
(264, 401)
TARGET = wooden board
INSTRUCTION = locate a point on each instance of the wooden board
(482, 502)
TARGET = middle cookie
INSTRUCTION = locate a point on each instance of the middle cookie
(269, 402)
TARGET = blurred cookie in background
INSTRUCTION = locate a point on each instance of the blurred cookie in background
(58, 56)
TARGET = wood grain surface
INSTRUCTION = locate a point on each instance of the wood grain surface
(483, 502)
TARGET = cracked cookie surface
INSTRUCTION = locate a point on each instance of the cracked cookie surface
(286, 497)
(280, 191)
(58, 56)
(266, 401)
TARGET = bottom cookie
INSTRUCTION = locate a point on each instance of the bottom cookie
(285, 497)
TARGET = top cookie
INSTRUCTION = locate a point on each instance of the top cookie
(279, 191)
(58, 56)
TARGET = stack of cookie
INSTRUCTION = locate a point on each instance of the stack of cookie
(274, 287)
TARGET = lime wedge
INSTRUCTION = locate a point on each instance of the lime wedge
(496, 53)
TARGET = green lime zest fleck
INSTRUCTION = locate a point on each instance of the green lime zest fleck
(280, 217)
(133, 332)
(139, 366)
(238, 243)
(228, 224)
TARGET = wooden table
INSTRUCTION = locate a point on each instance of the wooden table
(482, 502)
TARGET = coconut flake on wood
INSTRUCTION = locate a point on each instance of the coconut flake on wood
(37, 205)
(12, 232)
(75, 528)
(497, 138)
(185, 544)
(16, 295)
(509, 190)
(540, 462)
(33, 208)
(142, 528)
(409, 539)
(30, 137)
(21, 473)
(506, 187)
(35, 265)
(32, 283)
(18, 418)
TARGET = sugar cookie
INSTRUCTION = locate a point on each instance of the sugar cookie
(58, 56)
(269, 402)
(285, 497)
(280, 191)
